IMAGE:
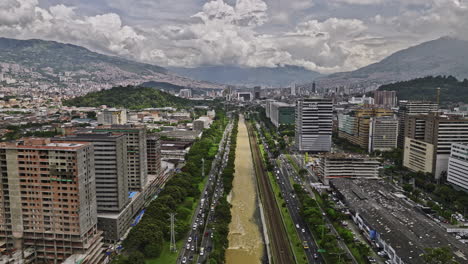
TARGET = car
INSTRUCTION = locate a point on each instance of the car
(305, 245)
(303, 230)
(211, 235)
(297, 225)
(184, 260)
(202, 251)
(190, 257)
(193, 248)
(315, 256)
(187, 246)
(189, 239)
(195, 226)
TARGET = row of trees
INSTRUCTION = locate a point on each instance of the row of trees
(223, 209)
(146, 240)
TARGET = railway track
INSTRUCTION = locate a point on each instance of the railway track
(281, 249)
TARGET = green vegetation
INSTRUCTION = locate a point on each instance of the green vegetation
(451, 90)
(148, 239)
(130, 97)
(442, 255)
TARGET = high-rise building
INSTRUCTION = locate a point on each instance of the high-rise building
(383, 133)
(153, 146)
(112, 117)
(457, 173)
(110, 158)
(356, 126)
(385, 98)
(408, 108)
(282, 114)
(268, 104)
(314, 121)
(48, 197)
(440, 131)
(136, 153)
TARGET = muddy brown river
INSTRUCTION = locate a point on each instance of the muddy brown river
(246, 244)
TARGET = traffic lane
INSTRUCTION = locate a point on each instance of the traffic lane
(293, 205)
(307, 236)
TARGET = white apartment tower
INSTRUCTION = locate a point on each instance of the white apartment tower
(314, 118)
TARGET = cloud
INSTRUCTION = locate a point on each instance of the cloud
(321, 35)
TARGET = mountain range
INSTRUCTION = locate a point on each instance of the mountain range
(55, 64)
(279, 76)
(443, 56)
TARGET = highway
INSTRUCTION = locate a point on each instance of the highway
(191, 249)
(281, 248)
(307, 187)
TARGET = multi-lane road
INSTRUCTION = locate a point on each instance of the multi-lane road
(198, 240)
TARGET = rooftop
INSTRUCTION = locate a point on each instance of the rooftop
(396, 219)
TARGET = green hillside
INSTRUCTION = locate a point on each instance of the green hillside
(452, 90)
(130, 97)
(66, 57)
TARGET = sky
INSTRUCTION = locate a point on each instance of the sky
(321, 35)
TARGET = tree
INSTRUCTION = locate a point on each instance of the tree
(136, 257)
(440, 255)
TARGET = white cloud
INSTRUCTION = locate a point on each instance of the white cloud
(322, 35)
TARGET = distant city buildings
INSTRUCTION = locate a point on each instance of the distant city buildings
(185, 93)
(112, 117)
(314, 125)
(385, 98)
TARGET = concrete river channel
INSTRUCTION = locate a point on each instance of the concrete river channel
(246, 245)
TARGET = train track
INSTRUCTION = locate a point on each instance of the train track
(281, 249)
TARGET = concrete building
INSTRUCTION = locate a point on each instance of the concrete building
(112, 117)
(48, 197)
(440, 131)
(185, 93)
(385, 98)
(361, 100)
(457, 173)
(136, 152)
(418, 155)
(198, 125)
(356, 126)
(110, 158)
(383, 134)
(268, 104)
(314, 121)
(282, 114)
(408, 108)
(153, 154)
(341, 165)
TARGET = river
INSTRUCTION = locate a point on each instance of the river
(245, 239)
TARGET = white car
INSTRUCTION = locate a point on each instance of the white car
(188, 246)
(303, 230)
(190, 239)
(184, 260)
